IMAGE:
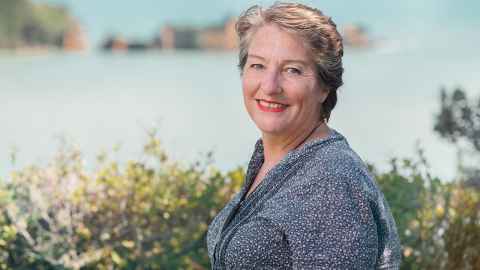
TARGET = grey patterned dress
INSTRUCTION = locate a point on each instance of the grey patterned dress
(318, 208)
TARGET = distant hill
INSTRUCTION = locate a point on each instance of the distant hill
(26, 24)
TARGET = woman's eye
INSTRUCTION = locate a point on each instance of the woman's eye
(293, 70)
(257, 66)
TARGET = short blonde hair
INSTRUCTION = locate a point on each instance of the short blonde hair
(318, 32)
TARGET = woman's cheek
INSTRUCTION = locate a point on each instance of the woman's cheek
(249, 84)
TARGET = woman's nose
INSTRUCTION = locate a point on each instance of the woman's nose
(271, 83)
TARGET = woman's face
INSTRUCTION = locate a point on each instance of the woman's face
(280, 88)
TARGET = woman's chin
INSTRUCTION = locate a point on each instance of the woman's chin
(271, 129)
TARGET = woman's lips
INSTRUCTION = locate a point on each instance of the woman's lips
(269, 106)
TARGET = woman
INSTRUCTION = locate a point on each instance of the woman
(308, 201)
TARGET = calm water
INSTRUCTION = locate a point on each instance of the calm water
(97, 101)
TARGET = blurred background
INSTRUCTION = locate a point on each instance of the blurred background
(101, 72)
(119, 78)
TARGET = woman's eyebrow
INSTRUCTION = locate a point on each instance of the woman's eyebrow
(295, 61)
(256, 56)
(287, 61)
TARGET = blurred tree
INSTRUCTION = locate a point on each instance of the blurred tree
(13, 17)
(459, 123)
(23, 23)
(459, 118)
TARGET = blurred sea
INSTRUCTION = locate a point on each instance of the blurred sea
(98, 101)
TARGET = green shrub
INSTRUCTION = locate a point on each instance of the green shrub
(438, 222)
(149, 214)
(153, 213)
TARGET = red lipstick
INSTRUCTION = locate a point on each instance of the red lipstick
(265, 108)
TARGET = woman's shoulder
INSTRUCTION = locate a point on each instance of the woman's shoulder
(333, 161)
(328, 176)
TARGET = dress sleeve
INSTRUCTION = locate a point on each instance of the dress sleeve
(331, 225)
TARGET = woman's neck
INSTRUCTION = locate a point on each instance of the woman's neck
(276, 147)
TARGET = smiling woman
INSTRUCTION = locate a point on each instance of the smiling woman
(308, 201)
(281, 91)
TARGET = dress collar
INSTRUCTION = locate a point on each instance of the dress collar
(286, 162)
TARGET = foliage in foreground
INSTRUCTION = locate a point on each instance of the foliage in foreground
(438, 222)
(153, 214)
(149, 214)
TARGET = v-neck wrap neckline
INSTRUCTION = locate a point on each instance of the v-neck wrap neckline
(274, 178)
(282, 166)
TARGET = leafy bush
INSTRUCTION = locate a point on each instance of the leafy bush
(153, 213)
(438, 222)
(141, 216)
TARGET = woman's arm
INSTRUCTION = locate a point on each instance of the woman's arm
(332, 227)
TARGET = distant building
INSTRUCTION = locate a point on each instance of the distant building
(157, 42)
(115, 44)
(178, 37)
(137, 45)
(217, 37)
(211, 38)
(220, 37)
(74, 39)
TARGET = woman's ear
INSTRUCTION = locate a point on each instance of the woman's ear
(324, 94)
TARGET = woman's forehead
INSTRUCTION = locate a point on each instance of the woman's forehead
(272, 42)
